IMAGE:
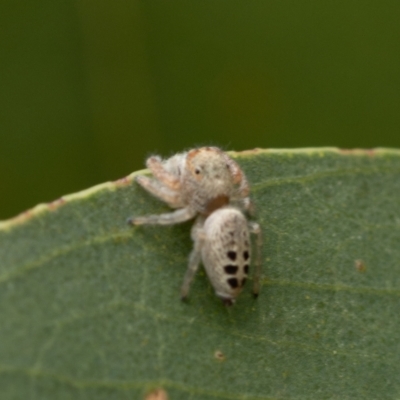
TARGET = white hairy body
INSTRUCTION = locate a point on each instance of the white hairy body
(206, 183)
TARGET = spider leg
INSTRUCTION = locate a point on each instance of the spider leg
(156, 166)
(256, 230)
(238, 176)
(194, 260)
(162, 192)
(247, 205)
(175, 217)
(243, 191)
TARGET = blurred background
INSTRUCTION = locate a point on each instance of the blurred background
(88, 89)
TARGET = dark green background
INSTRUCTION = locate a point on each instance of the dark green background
(89, 88)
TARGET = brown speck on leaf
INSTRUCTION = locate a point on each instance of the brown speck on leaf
(219, 355)
(158, 394)
(360, 266)
(56, 203)
(368, 152)
(123, 181)
(25, 215)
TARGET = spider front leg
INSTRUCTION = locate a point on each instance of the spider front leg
(162, 192)
(256, 230)
(156, 166)
(176, 217)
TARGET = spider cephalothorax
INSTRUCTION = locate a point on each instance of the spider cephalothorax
(197, 182)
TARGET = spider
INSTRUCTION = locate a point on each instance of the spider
(207, 183)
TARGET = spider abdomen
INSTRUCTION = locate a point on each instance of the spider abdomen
(226, 252)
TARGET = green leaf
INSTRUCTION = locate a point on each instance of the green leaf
(90, 308)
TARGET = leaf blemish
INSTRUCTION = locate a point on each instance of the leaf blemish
(219, 355)
(123, 181)
(360, 265)
(158, 394)
(56, 203)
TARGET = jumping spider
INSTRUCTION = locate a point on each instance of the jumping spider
(206, 183)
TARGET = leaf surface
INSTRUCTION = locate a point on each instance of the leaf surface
(90, 308)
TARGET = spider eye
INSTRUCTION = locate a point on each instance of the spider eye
(197, 171)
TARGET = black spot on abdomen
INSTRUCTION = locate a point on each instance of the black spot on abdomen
(231, 269)
(233, 283)
(246, 255)
(246, 269)
(231, 255)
